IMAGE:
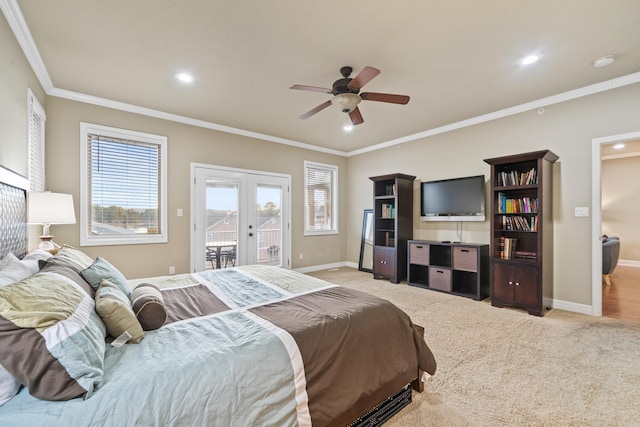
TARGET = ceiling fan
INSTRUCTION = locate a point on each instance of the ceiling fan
(347, 94)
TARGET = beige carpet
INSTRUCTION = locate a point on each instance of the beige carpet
(504, 367)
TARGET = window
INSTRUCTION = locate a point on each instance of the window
(35, 137)
(123, 186)
(320, 199)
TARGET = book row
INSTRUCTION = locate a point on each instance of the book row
(515, 177)
(520, 223)
(506, 247)
(518, 205)
(387, 210)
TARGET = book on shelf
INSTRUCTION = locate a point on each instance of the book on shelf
(515, 178)
(390, 190)
(519, 205)
(506, 247)
(526, 254)
(387, 210)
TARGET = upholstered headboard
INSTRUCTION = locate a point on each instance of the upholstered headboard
(13, 213)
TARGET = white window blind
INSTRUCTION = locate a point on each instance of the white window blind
(35, 135)
(321, 198)
(124, 193)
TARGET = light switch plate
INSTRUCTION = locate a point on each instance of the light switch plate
(582, 211)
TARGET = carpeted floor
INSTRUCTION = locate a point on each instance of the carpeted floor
(504, 367)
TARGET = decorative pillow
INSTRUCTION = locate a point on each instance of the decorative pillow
(148, 305)
(69, 256)
(52, 338)
(102, 269)
(114, 309)
(9, 387)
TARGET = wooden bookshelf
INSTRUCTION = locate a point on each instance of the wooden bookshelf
(521, 253)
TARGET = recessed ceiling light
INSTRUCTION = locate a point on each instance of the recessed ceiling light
(184, 77)
(603, 61)
(530, 60)
(618, 146)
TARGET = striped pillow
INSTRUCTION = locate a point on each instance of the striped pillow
(52, 338)
(148, 305)
(114, 309)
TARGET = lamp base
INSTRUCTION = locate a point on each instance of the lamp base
(47, 244)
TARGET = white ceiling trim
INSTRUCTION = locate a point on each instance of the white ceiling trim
(18, 25)
(533, 105)
(21, 31)
(75, 96)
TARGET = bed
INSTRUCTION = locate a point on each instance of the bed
(249, 345)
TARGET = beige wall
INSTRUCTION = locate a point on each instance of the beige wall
(186, 144)
(567, 129)
(17, 76)
(621, 204)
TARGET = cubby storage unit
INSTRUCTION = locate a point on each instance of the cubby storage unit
(392, 225)
(522, 231)
(457, 268)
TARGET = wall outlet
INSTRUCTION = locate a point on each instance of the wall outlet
(172, 269)
(179, 213)
(301, 255)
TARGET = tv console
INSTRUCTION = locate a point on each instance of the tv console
(456, 268)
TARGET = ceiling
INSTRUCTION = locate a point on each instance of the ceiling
(456, 62)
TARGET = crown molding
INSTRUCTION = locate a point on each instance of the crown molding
(21, 31)
(533, 105)
(116, 105)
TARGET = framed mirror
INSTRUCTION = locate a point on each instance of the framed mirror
(366, 244)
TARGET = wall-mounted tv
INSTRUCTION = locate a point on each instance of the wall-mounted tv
(457, 199)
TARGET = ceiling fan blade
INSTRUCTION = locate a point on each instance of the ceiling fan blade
(385, 97)
(315, 110)
(356, 117)
(311, 88)
(365, 76)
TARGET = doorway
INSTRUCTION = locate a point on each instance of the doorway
(596, 225)
(239, 217)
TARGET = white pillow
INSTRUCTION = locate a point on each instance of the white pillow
(32, 258)
(9, 258)
(8, 386)
(15, 271)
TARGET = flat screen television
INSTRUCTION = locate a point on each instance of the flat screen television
(456, 199)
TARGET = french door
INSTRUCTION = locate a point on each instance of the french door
(239, 217)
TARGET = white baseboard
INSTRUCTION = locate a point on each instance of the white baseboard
(324, 267)
(629, 262)
(555, 303)
(572, 306)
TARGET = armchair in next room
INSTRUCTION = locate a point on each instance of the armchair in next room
(610, 255)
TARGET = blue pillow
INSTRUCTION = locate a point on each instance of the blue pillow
(102, 269)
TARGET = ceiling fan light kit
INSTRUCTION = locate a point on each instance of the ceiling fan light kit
(347, 96)
(346, 102)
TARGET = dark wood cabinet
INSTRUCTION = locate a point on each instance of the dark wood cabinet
(517, 285)
(521, 253)
(392, 225)
(457, 268)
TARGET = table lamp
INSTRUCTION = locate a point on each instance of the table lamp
(49, 208)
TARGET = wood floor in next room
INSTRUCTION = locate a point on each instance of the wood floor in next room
(621, 300)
